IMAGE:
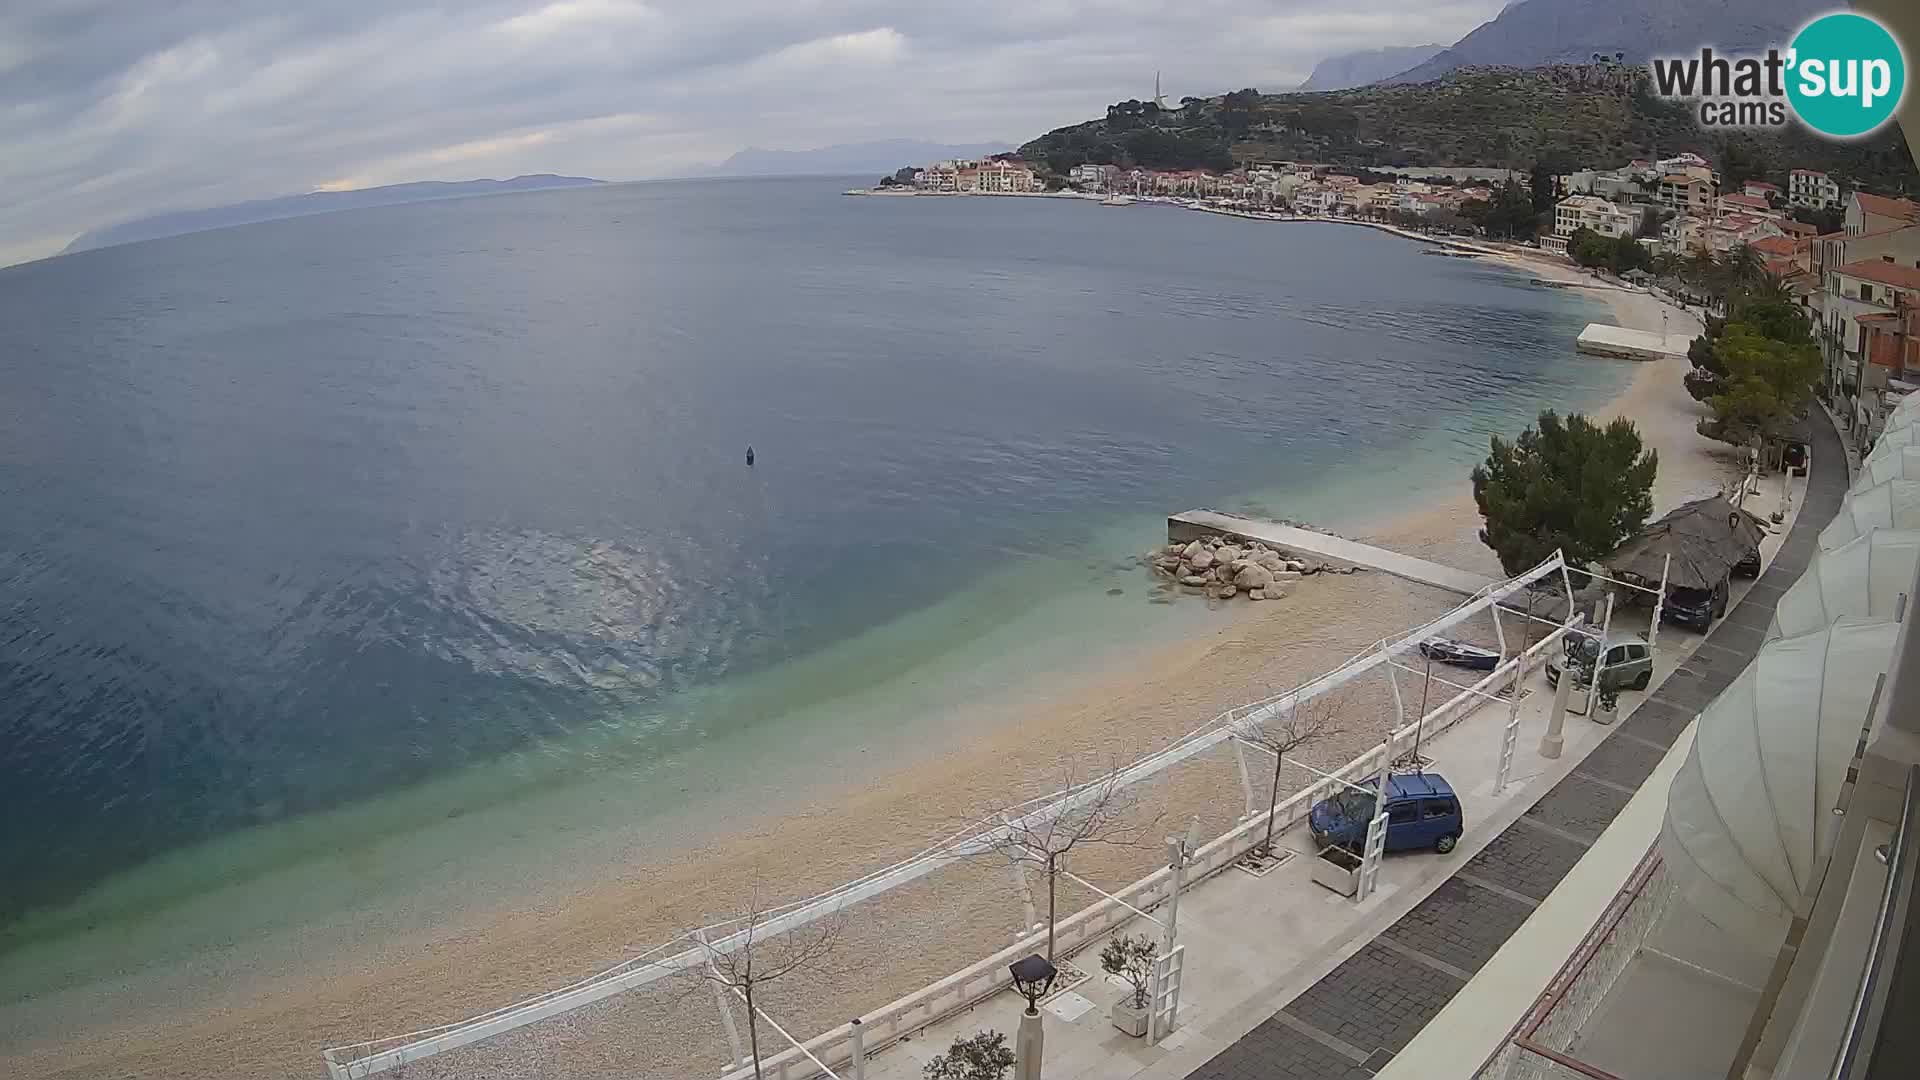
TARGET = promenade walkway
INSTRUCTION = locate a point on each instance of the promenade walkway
(1351, 1022)
(1185, 526)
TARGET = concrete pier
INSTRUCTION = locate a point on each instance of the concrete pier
(1194, 524)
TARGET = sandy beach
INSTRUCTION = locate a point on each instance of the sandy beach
(272, 1020)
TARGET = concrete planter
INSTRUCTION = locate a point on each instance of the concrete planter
(1129, 1019)
(1338, 869)
(1605, 712)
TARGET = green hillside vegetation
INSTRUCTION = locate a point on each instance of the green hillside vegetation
(1566, 117)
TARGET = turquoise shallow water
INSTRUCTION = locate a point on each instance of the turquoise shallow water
(427, 528)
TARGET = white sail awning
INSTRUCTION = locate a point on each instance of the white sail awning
(1899, 463)
(1865, 576)
(1749, 817)
(1892, 439)
(1890, 504)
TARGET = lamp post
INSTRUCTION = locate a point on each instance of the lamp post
(1032, 977)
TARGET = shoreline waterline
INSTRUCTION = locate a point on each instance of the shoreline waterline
(1113, 665)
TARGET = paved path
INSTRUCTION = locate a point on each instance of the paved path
(1352, 1022)
(1181, 527)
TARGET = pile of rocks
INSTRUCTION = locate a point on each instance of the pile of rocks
(1224, 568)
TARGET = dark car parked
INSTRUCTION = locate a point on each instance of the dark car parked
(1695, 609)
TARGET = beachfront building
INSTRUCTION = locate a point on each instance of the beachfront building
(1093, 177)
(1316, 199)
(1611, 184)
(1589, 212)
(1684, 193)
(1836, 312)
(1812, 188)
(1005, 177)
(1762, 189)
(939, 176)
(1872, 295)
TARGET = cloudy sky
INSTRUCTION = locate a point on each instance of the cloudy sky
(111, 109)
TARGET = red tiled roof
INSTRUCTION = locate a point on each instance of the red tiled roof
(1753, 201)
(1761, 184)
(1808, 172)
(1776, 246)
(1798, 228)
(1881, 206)
(1886, 273)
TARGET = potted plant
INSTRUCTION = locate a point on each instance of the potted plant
(984, 1055)
(1338, 869)
(1131, 958)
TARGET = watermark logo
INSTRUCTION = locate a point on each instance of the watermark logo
(1843, 76)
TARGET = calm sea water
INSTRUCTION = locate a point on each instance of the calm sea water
(303, 513)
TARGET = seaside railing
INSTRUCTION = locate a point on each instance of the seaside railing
(1073, 932)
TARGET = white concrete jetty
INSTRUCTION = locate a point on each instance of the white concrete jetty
(1620, 343)
(1195, 523)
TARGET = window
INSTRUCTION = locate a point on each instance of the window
(1636, 652)
(1438, 808)
(1617, 654)
(1401, 813)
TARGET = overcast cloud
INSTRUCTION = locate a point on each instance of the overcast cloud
(111, 110)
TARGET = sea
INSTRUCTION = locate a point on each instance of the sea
(371, 531)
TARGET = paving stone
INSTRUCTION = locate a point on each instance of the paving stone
(1658, 720)
(1460, 924)
(1729, 635)
(1378, 999)
(1528, 861)
(1622, 761)
(1579, 806)
(1275, 1051)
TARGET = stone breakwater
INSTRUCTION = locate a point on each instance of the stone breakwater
(1223, 567)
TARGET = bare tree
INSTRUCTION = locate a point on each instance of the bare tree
(1101, 811)
(744, 955)
(1305, 723)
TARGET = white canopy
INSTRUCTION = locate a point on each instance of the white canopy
(1864, 576)
(1898, 463)
(1891, 504)
(1749, 816)
(1906, 409)
(1893, 438)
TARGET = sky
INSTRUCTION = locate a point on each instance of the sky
(115, 109)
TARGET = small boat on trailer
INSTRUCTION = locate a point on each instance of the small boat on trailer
(1459, 654)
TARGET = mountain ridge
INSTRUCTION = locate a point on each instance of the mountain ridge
(1536, 33)
(846, 159)
(279, 208)
(1344, 71)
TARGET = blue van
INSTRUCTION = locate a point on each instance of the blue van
(1422, 812)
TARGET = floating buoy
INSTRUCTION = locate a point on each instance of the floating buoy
(749, 457)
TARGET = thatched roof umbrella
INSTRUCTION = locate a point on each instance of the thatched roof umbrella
(1704, 538)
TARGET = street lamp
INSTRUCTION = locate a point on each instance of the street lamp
(1032, 977)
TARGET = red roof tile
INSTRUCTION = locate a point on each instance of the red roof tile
(1881, 206)
(1886, 273)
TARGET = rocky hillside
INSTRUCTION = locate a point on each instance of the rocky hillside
(1533, 33)
(1566, 116)
(1372, 65)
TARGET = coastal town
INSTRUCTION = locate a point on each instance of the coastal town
(1848, 258)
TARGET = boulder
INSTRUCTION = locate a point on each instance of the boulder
(1257, 594)
(1253, 577)
(1201, 559)
(1271, 560)
(1191, 550)
(1227, 553)
(1225, 592)
(1193, 579)
(1286, 575)
(1297, 566)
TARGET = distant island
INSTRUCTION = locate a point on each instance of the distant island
(181, 222)
(846, 159)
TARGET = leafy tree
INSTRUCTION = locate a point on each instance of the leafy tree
(1705, 380)
(1765, 383)
(1568, 485)
(1510, 211)
(1833, 219)
(982, 1056)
